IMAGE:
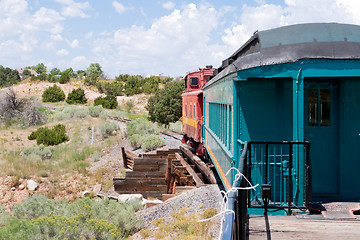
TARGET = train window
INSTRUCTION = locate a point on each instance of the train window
(325, 107)
(194, 81)
(190, 110)
(319, 107)
(194, 111)
(185, 109)
(313, 107)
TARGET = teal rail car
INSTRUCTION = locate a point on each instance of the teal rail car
(293, 84)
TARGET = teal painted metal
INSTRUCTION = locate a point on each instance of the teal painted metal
(269, 103)
(278, 164)
(234, 130)
(298, 107)
(218, 124)
(347, 73)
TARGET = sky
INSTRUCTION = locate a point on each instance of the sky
(147, 37)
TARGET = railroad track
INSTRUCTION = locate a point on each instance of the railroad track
(169, 133)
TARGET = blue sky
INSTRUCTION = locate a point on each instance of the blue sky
(147, 36)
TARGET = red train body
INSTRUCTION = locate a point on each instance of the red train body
(193, 107)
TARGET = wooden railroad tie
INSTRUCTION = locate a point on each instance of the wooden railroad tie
(163, 174)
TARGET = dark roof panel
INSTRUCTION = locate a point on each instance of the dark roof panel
(292, 43)
(307, 33)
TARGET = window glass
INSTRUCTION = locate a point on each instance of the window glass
(313, 107)
(319, 107)
(190, 110)
(194, 81)
(194, 111)
(325, 107)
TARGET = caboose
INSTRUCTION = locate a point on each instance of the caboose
(284, 109)
(192, 113)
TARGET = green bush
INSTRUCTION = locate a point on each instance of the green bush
(166, 105)
(152, 142)
(53, 94)
(108, 102)
(64, 78)
(108, 128)
(48, 136)
(76, 96)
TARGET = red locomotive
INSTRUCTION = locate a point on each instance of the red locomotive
(192, 112)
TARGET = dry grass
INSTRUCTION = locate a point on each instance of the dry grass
(182, 225)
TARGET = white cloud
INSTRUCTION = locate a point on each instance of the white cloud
(74, 9)
(48, 19)
(75, 44)
(120, 8)
(168, 5)
(56, 37)
(62, 52)
(173, 43)
(89, 35)
(267, 16)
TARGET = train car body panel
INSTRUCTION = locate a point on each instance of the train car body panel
(192, 117)
(296, 83)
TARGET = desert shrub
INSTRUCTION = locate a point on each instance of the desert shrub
(76, 96)
(33, 207)
(4, 216)
(176, 126)
(152, 142)
(142, 133)
(135, 141)
(95, 111)
(32, 115)
(108, 102)
(129, 105)
(141, 126)
(53, 94)
(48, 136)
(38, 217)
(15, 109)
(71, 112)
(41, 151)
(19, 229)
(108, 128)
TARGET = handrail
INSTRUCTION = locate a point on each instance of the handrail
(234, 226)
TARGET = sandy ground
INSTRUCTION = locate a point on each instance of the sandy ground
(28, 89)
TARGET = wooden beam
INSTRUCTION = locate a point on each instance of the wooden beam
(124, 157)
(200, 164)
(131, 155)
(168, 171)
(190, 170)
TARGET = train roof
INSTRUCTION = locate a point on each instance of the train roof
(292, 43)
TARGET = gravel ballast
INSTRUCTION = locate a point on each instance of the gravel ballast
(196, 200)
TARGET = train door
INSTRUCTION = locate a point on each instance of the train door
(321, 128)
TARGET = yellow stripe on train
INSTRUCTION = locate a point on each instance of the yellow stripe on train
(217, 164)
(190, 122)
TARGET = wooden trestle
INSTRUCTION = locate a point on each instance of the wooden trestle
(162, 175)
